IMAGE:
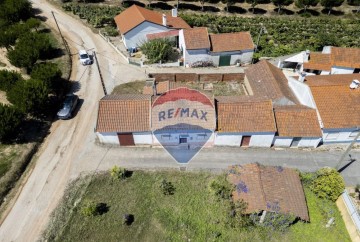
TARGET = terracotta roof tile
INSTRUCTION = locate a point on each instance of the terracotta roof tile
(297, 121)
(318, 61)
(196, 38)
(135, 15)
(124, 113)
(231, 42)
(338, 105)
(269, 82)
(246, 117)
(160, 35)
(274, 189)
(345, 57)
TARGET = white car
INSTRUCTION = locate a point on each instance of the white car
(84, 57)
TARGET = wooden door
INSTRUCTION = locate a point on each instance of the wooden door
(126, 139)
(245, 141)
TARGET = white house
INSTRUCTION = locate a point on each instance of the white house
(221, 49)
(135, 23)
(297, 126)
(338, 103)
(246, 122)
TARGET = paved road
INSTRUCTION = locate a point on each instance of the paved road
(220, 158)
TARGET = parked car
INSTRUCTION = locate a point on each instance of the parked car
(69, 105)
(84, 58)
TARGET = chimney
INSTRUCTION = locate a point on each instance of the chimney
(302, 76)
(174, 12)
(354, 84)
(307, 55)
(164, 20)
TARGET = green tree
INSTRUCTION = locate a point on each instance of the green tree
(328, 184)
(8, 79)
(48, 73)
(254, 3)
(29, 96)
(305, 4)
(329, 4)
(12, 11)
(29, 48)
(281, 3)
(10, 118)
(158, 50)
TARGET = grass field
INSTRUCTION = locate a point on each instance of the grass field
(191, 213)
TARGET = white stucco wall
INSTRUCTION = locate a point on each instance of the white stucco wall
(192, 56)
(244, 56)
(325, 73)
(261, 140)
(341, 70)
(194, 137)
(108, 138)
(137, 36)
(283, 141)
(309, 142)
(339, 136)
(144, 138)
(227, 139)
(302, 92)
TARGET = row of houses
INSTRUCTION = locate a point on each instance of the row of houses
(279, 111)
(138, 25)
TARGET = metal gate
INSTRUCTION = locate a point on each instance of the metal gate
(224, 60)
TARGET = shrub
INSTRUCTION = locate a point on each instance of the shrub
(221, 188)
(239, 217)
(307, 178)
(48, 73)
(158, 50)
(328, 184)
(111, 31)
(91, 208)
(8, 79)
(274, 220)
(10, 118)
(118, 173)
(167, 187)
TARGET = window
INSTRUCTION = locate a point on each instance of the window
(332, 135)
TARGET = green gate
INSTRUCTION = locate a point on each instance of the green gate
(224, 60)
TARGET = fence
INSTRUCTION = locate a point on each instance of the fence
(107, 39)
(202, 77)
(354, 214)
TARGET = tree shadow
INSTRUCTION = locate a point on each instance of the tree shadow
(333, 12)
(236, 9)
(189, 6)
(75, 86)
(211, 9)
(55, 53)
(128, 219)
(102, 208)
(257, 11)
(36, 11)
(308, 11)
(127, 4)
(284, 11)
(355, 11)
(161, 5)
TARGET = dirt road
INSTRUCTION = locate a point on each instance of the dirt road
(68, 139)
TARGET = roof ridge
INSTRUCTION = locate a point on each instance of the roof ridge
(260, 182)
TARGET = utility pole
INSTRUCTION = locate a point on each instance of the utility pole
(101, 78)
(348, 149)
(62, 37)
(262, 29)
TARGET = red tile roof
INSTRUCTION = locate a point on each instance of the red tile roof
(124, 113)
(338, 105)
(318, 61)
(231, 42)
(160, 35)
(196, 38)
(269, 82)
(269, 188)
(135, 15)
(297, 121)
(246, 116)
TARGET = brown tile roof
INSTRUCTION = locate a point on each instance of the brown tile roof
(160, 35)
(345, 57)
(246, 117)
(135, 15)
(297, 121)
(318, 61)
(269, 82)
(124, 113)
(196, 38)
(237, 99)
(338, 105)
(231, 42)
(342, 57)
(269, 188)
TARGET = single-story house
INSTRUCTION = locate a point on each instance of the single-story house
(269, 189)
(338, 105)
(297, 126)
(220, 49)
(245, 122)
(124, 120)
(135, 23)
(333, 60)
